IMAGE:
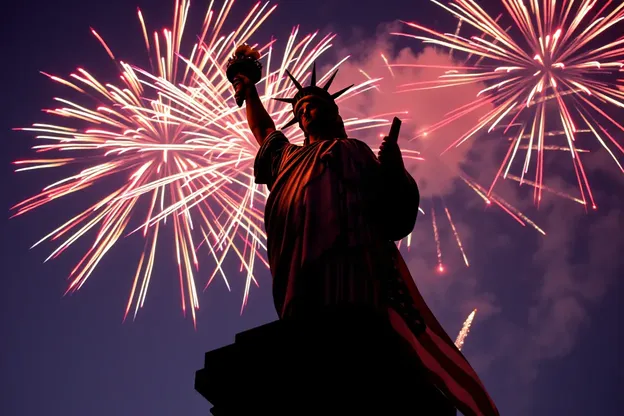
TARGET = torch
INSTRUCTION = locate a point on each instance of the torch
(245, 61)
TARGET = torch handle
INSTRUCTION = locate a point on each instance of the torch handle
(239, 93)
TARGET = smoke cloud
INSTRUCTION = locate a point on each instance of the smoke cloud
(437, 174)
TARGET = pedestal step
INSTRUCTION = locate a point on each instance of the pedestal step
(335, 364)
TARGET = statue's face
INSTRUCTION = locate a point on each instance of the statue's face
(316, 115)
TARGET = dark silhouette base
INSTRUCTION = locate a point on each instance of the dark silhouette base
(340, 362)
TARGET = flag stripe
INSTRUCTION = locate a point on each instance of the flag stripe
(447, 366)
(447, 383)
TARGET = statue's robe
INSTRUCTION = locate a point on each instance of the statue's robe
(332, 216)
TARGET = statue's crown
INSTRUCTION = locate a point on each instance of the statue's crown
(312, 89)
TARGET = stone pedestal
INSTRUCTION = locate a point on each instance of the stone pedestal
(338, 363)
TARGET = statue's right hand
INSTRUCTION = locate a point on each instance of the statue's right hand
(241, 85)
(241, 80)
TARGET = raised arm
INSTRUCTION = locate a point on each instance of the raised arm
(243, 71)
(260, 122)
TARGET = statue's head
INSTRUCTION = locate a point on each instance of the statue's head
(315, 109)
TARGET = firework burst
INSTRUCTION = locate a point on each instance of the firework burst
(436, 174)
(175, 137)
(555, 68)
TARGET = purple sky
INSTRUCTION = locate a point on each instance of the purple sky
(548, 334)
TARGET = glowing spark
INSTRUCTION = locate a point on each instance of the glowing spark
(437, 241)
(387, 64)
(461, 337)
(459, 244)
(457, 29)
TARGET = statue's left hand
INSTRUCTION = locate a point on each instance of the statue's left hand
(390, 154)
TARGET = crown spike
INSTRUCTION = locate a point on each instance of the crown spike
(290, 123)
(342, 91)
(285, 100)
(294, 81)
(330, 80)
(313, 80)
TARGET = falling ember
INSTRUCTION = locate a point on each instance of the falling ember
(559, 74)
(437, 241)
(459, 244)
(387, 64)
(181, 145)
(461, 337)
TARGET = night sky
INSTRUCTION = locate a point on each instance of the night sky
(547, 339)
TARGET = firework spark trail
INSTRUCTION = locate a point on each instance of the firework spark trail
(459, 244)
(457, 29)
(546, 188)
(437, 241)
(550, 147)
(514, 212)
(176, 135)
(461, 337)
(568, 56)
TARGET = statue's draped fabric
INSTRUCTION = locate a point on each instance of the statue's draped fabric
(331, 217)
